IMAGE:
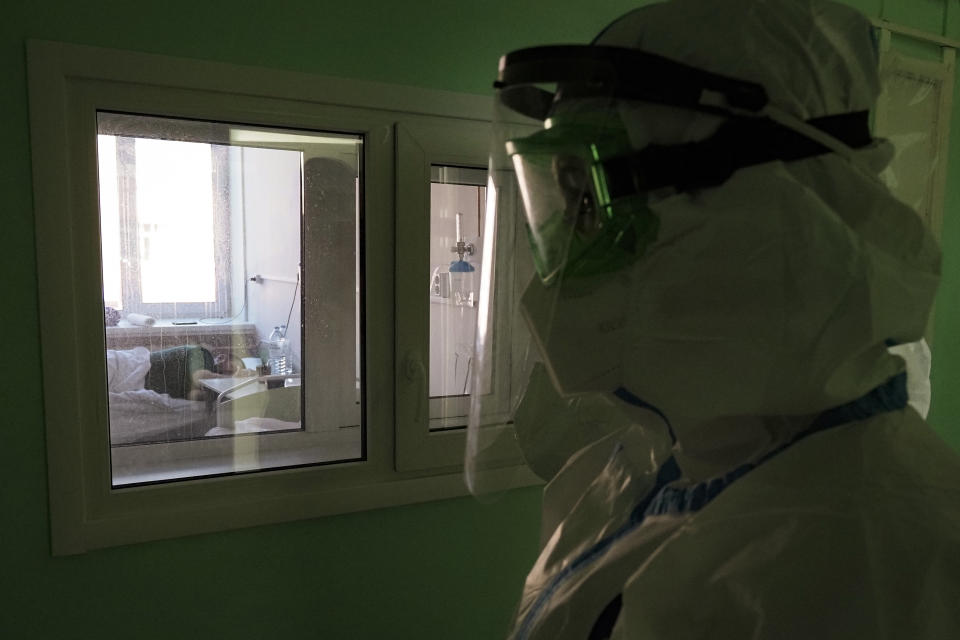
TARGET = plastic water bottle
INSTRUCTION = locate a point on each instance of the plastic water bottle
(286, 362)
(276, 347)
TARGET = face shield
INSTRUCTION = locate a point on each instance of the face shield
(559, 128)
(573, 173)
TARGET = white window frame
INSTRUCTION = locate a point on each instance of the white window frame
(423, 142)
(68, 85)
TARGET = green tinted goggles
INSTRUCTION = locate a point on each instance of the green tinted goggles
(575, 226)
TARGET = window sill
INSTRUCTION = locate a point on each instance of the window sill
(166, 328)
(134, 465)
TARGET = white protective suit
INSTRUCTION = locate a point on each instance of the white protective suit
(800, 498)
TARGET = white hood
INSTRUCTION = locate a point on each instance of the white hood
(813, 57)
(777, 293)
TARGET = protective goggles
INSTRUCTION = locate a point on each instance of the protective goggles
(573, 223)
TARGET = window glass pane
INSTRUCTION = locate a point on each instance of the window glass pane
(231, 277)
(109, 221)
(174, 216)
(457, 202)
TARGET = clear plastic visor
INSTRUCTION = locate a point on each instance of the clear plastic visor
(541, 193)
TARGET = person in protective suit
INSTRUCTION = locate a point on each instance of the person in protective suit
(685, 328)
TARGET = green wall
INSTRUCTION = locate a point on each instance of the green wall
(449, 569)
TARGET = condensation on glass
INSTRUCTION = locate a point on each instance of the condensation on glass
(457, 203)
(232, 296)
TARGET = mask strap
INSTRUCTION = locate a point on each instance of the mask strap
(793, 123)
(739, 142)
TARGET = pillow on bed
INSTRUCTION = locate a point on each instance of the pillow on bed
(127, 370)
